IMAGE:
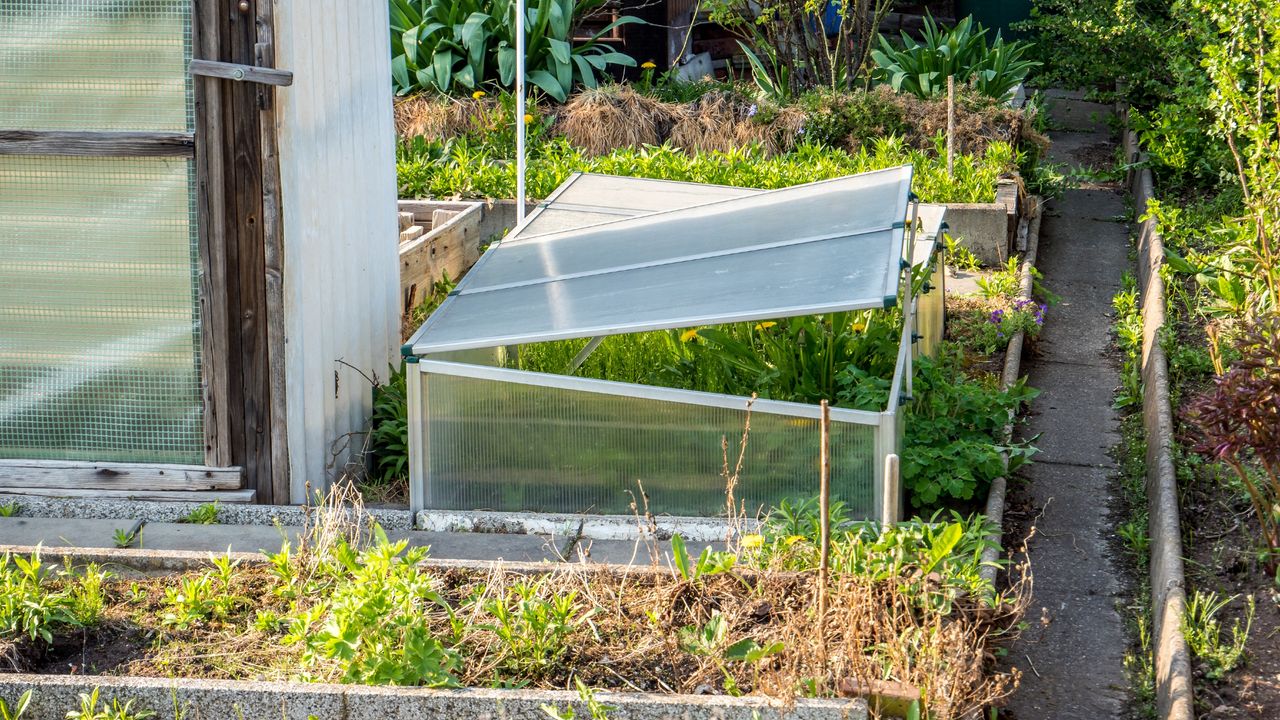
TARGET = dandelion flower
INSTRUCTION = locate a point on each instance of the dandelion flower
(648, 65)
(689, 334)
(792, 540)
(528, 118)
(753, 541)
(765, 325)
(478, 94)
(858, 327)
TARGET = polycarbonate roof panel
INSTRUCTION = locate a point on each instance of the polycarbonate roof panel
(821, 247)
(590, 199)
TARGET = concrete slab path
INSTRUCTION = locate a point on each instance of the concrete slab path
(1072, 655)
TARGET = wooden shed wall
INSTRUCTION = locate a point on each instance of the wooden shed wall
(338, 193)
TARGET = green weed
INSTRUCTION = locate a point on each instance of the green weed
(113, 710)
(206, 514)
(17, 710)
(1218, 653)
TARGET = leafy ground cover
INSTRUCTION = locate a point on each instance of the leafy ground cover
(348, 605)
(1202, 77)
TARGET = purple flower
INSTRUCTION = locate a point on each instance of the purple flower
(751, 111)
(997, 317)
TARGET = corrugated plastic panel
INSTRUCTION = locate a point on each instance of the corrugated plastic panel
(524, 447)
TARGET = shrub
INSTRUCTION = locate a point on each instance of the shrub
(465, 167)
(457, 46)
(961, 52)
(954, 430)
(1240, 422)
(371, 622)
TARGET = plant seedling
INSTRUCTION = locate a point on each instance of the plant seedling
(206, 514)
(9, 509)
(124, 538)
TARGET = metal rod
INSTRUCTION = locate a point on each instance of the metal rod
(520, 113)
(907, 314)
(824, 514)
(583, 354)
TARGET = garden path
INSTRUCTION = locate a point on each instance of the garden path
(1072, 653)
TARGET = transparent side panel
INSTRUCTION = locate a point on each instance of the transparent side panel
(95, 65)
(99, 331)
(513, 447)
(930, 312)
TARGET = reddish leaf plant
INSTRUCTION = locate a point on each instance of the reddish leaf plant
(1240, 422)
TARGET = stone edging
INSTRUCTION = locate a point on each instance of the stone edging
(1168, 582)
(1012, 369)
(54, 695)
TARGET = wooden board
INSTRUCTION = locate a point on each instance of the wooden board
(210, 194)
(448, 249)
(222, 496)
(69, 475)
(96, 144)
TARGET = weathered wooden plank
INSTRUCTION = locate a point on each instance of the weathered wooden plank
(273, 257)
(98, 144)
(406, 221)
(449, 249)
(246, 276)
(412, 233)
(201, 496)
(211, 221)
(115, 476)
(241, 73)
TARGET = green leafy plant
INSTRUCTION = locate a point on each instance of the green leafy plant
(774, 80)
(953, 447)
(87, 596)
(372, 623)
(1203, 630)
(113, 710)
(17, 710)
(124, 538)
(10, 509)
(533, 630)
(960, 257)
(596, 710)
(205, 514)
(27, 607)
(708, 562)
(456, 47)
(961, 52)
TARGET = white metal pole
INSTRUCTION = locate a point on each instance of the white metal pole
(520, 111)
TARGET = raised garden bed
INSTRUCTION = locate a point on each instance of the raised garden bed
(906, 605)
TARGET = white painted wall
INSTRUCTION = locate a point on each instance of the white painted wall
(338, 192)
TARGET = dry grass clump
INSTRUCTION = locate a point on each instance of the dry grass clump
(722, 121)
(439, 116)
(979, 122)
(602, 119)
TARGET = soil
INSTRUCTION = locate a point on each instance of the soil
(1219, 539)
(629, 637)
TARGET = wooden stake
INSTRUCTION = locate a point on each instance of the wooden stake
(824, 510)
(951, 126)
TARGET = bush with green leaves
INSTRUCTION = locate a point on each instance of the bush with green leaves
(370, 622)
(459, 46)
(469, 167)
(962, 52)
(954, 433)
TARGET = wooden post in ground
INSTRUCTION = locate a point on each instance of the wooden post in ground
(824, 511)
(951, 126)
